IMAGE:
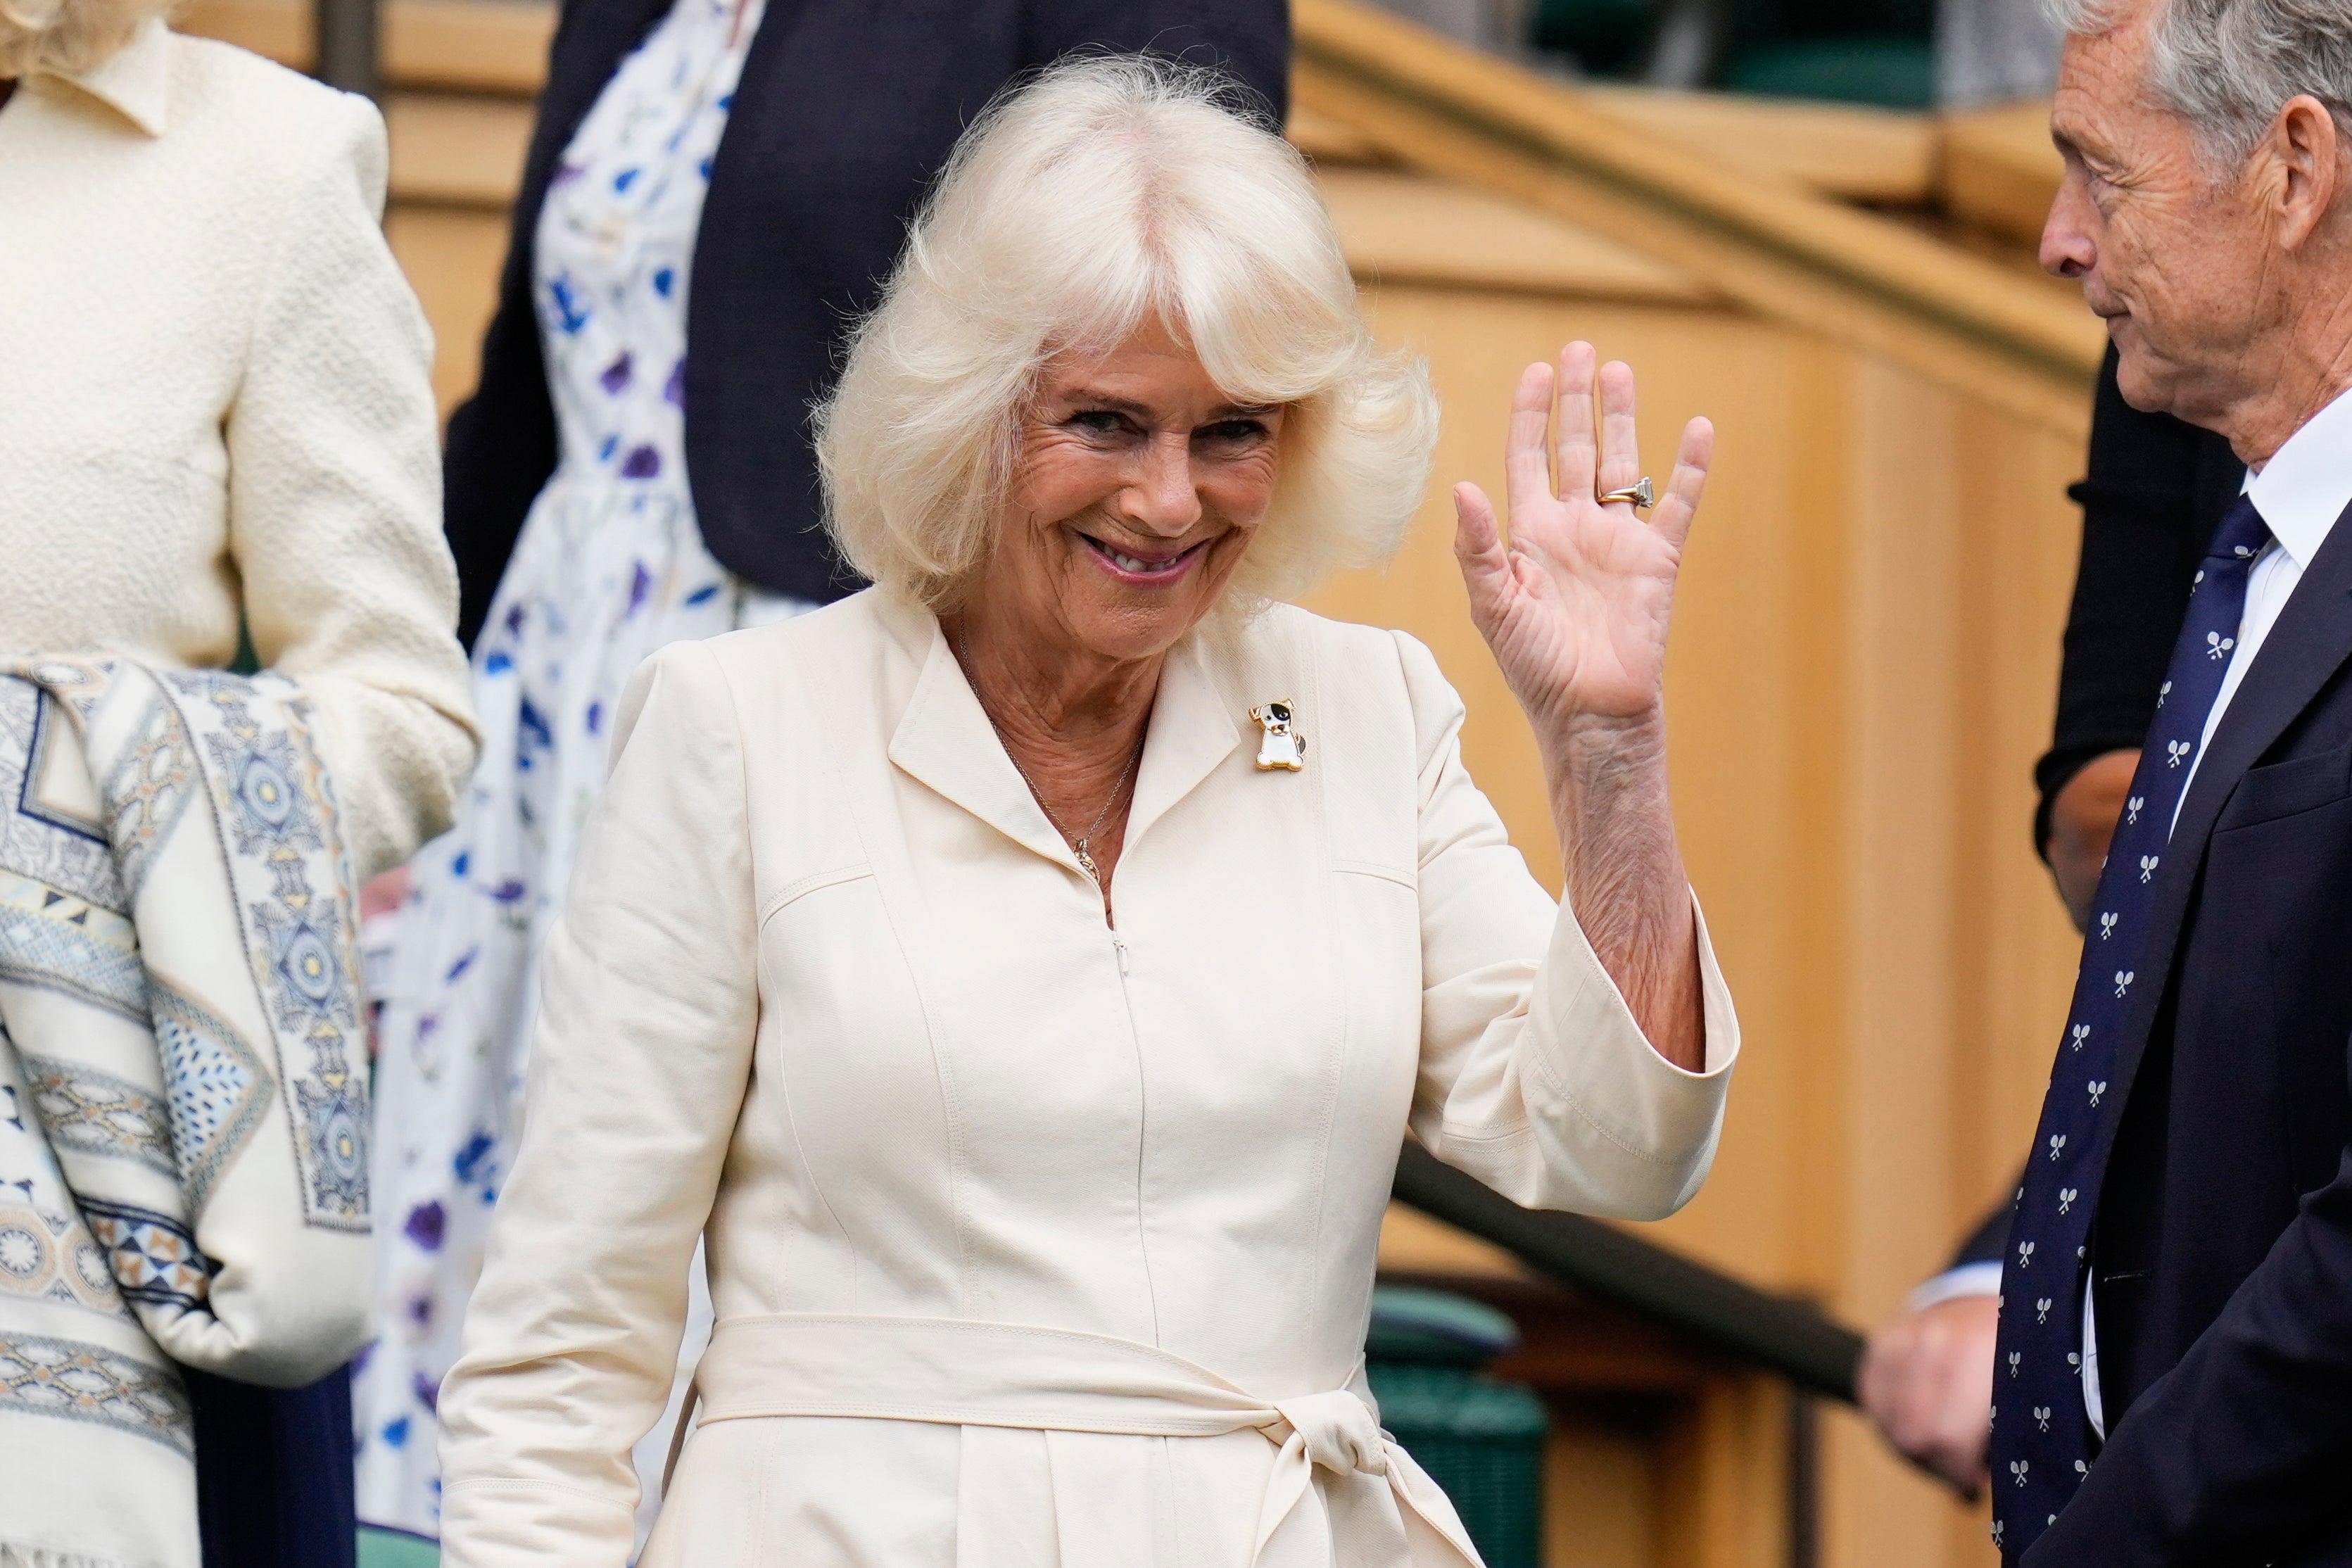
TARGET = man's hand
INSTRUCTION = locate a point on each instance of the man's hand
(1927, 1380)
(2082, 820)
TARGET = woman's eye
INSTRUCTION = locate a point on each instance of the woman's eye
(1097, 421)
(1234, 431)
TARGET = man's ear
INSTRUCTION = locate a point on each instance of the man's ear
(2306, 176)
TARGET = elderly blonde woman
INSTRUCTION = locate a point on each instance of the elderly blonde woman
(1026, 970)
(215, 416)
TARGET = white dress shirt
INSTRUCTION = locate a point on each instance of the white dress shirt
(2301, 492)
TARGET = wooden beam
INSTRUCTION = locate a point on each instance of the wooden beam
(1844, 150)
(2000, 169)
(1767, 242)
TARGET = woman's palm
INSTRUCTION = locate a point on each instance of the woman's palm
(1575, 601)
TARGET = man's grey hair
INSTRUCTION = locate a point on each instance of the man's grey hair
(2227, 67)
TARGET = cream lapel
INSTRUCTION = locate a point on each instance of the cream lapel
(945, 741)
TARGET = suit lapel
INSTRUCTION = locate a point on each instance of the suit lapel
(2303, 650)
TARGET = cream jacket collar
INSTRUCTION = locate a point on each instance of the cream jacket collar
(135, 80)
(945, 739)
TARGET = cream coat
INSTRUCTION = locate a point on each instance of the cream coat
(214, 402)
(1031, 1240)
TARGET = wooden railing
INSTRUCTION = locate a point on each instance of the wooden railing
(1765, 242)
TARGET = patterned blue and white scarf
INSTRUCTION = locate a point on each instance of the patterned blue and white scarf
(182, 1087)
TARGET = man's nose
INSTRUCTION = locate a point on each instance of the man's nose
(1159, 497)
(2068, 249)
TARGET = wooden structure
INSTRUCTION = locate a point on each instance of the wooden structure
(1864, 659)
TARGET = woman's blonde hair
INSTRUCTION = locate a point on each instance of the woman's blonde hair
(67, 35)
(1108, 192)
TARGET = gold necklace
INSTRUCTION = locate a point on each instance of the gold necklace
(1077, 844)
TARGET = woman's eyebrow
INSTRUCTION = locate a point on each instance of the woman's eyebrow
(1103, 401)
(1084, 397)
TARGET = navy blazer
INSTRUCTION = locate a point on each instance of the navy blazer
(2221, 1258)
(845, 109)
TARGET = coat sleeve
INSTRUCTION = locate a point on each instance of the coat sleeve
(1534, 1076)
(638, 1068)
(2235, 1455)
(334, 494)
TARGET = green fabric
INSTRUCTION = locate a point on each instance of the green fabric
(1895, 73)
(390, 1549)
(1482, 1440)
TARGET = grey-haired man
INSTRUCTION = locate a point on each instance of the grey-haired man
(2173, 1378)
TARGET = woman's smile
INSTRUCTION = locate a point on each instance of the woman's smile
(1139, 567)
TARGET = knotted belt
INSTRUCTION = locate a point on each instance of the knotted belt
(1058, 1380)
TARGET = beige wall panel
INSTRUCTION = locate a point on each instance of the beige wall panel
(1879, 1512)
(2021, 537)
(1602, 1490)
(452, 257)
(1904, 671)
(1722, 1504)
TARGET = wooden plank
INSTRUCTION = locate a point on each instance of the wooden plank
(456, 150)
(1327, 141)
(2001, 171)
(276, 29)
(1842, 150)
(481, 45)
(487, 45)
(1403, 227)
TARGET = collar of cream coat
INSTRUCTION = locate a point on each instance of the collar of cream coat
(945, 739)
(135, 80)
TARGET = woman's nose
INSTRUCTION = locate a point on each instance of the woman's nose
(1160, 497)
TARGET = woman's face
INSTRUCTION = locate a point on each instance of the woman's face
(1138, 488)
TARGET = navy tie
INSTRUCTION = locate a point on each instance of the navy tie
(2041, 1438)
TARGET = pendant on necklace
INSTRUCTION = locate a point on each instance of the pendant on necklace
(1086, 861)
(1281, 746)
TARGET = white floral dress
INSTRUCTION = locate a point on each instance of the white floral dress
(610, 566)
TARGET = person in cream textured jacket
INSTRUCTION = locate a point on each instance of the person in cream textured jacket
(215, 421)
(1023, 972)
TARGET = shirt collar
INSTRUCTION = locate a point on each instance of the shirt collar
(2308, 483)
(135, 80)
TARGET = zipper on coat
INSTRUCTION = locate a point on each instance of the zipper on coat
(1143, 1121)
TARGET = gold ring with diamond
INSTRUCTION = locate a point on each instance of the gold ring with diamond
(1643, 494)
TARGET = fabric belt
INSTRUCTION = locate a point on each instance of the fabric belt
(965, 1374)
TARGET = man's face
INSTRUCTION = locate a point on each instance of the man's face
(2176, 262)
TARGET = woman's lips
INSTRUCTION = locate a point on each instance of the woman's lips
(1142, 569)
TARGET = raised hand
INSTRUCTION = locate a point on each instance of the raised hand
(1574, 601)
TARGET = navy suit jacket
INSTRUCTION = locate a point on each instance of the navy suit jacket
(845, 109)
(2221, 1257)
